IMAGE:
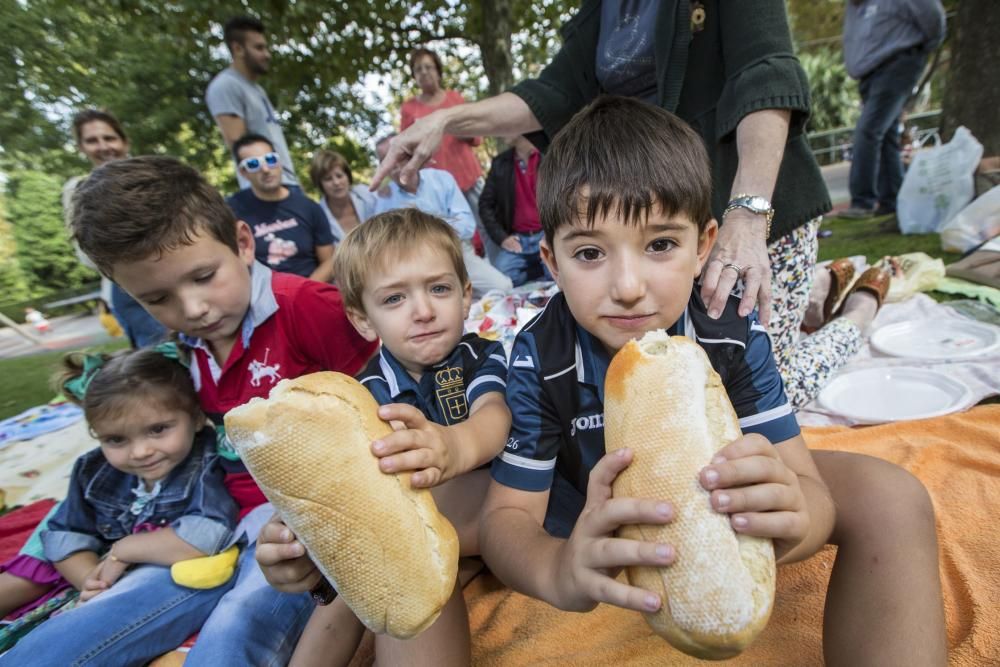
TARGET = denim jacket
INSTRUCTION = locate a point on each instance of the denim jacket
(98, 509)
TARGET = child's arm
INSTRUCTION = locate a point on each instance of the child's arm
(772, 491)
(439, 453)
(71, 540)
(88, 573)
(158, 547)
(330, 638)
(77, 567)
(283, 559)
(577, 573)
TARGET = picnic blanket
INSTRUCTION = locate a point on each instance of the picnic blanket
(37, 421)
(17, 526)
(957, 457)
(39, 468)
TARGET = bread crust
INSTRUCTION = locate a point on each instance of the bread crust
(384, 546)
(665, 402)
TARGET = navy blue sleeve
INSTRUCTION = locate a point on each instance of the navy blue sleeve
(529, 458)
(490, 374)
(757, 392)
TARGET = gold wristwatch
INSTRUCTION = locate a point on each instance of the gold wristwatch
(753, 203)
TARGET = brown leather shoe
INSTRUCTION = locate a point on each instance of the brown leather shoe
(875, 280)
(841, 274)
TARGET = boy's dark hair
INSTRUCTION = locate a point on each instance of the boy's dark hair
(236, 30)
(90, 115)
(126, 376)
(246, 140)
(418, 53)
(619, 155)
(128, 210)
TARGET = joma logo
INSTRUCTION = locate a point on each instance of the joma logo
(586, 423)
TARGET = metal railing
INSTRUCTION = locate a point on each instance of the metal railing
(835, 145)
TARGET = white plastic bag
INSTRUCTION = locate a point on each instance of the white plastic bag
(974, 224)
(938, 184)
(917, 272)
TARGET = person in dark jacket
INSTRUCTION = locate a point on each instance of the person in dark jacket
(509, 212)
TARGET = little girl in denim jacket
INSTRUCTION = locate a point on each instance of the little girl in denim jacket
(152, 493)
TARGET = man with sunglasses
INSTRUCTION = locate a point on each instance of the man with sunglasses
(238, 103)
(290, 230)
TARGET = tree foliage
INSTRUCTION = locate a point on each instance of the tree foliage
(13, 285)
(149, 62)
(834, 95)
(44, 252)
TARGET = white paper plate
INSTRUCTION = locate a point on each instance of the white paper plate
(936, 339)
(877, 395)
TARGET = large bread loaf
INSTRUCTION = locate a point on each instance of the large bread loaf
(382, 544)
(665, 402)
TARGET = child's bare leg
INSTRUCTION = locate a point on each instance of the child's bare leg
(460, 499)
(331, 637)
(15, 592)
(884, 603)
(468, 568)
(446, 643)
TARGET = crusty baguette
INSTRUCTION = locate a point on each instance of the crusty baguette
(665, 402)
(382, 544)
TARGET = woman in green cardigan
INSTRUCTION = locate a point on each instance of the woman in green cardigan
(728, 69)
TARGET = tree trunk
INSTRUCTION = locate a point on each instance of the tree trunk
(972, 95)
(495, 44)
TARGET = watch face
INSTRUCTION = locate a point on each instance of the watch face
(760, 203)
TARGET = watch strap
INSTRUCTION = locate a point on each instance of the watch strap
(745, 201)
(323, 593)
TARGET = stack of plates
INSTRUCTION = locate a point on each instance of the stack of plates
(895, 393)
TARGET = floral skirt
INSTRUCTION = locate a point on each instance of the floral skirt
(805, 363)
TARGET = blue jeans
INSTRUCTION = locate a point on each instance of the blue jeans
(142, 616)
(243, 622)
(253, 623)
(876, 168)
(525, 266)
(140, 327)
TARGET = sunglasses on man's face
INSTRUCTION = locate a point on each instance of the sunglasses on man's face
(254, 164)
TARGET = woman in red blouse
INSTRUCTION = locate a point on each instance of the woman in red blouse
(455, 154)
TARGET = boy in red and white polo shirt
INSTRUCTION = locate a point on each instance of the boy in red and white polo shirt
(156, 228)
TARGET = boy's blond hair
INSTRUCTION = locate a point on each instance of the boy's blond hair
(386, 237)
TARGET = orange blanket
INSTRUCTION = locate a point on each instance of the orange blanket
(957, 458)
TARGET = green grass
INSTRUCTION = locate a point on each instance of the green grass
(863, 237)
(27, 379)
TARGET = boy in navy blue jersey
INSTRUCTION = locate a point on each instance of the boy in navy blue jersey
(404, 282)
(624, 199)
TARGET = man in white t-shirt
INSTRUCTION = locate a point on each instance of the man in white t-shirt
(238, 103)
